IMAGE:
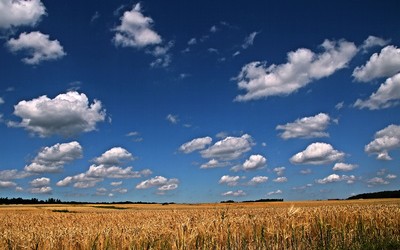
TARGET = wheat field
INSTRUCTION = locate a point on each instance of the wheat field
(365, 224)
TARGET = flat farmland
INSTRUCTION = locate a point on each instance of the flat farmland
(359, 224)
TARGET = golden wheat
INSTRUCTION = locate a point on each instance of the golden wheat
(318, 225)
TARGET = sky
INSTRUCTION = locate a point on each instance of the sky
(198, 101)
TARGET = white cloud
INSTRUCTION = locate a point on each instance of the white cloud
(1, 100)
(40, 182)
(12, 174)
(373, 41)
(213, 29)
(377, 181)
(41, 190)
(317, 153)
(391, 176)
(258, 179)
(172, 118)
(279, 171)
(7, 184)
(280, 179)
(135, 30)
(307, 127)
(328, 179)
(120, 190)
(38, 46)
(336, 178)
(387, 95)
(306, 171)
(229, 148)
(339, 106)
(192, 41)
(229, 180)
(52, 159)
(340, 166)
(254, 162)
(303, 67)
(195, 144)
(249, 40)
(162, 183)
(275, 192)
(385, 140)
(213, 163)
(114, 156)
(67, 115)
(103, 171)
(116, 183)
(385, 64)
(15, 13)
(235, 193)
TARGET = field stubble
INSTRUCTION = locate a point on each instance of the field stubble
(302, 225)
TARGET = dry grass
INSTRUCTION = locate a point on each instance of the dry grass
(285, 225)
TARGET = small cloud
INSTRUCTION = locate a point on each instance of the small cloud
(385, 140)
(258, 179)
(213, 29)
(306, 171)
(192, 41)
(173, 119)
(274, 192)
(249, 40)
(95, 16)
(235, 193)
(317, 153)
(339, 106)
(279, 171)
(229, 180)
(340, 166)
(280, 179)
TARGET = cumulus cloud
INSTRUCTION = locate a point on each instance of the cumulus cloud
(41, 190)
(303, 67)
(279, 171)
(280, 179)
(317, 153)
(67, 115)
(12, 174)
(229, 180)
(336, 178)
(275, 192)
(40, 182)
(391, 176)
(385, 140)
(340, 166)
(258, 179)
(229, 148)
(385, 64)
(387, 95)
(114, 156)
(52, 159)
(15, 13)
(7, 184)
(38, 46)
(235, 193)
(373, 41)
(254, 162)
(213, 163)
(307, 127)
(195, 144)
(116, 183)
(377, 181)
(135, 30)
(162, 183)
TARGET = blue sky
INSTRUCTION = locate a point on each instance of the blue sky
(198, 101)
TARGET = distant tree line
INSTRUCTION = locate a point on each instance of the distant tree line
(260, 200)
(15, 201)
(377, 195)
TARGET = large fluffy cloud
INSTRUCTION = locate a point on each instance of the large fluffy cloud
(52, 159)
(307, 127)
(114, 156)
(195, 144)
(317, 153)
(229, 148)
(303, 67)
(385, 140)
(162, 183)
(387, 95)
(135, 30)
(108, 165)
(38, 46)
(67, 114)
(229, 180)
(254, 162)
(40, 182)
(15, 13)
(385, 64)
